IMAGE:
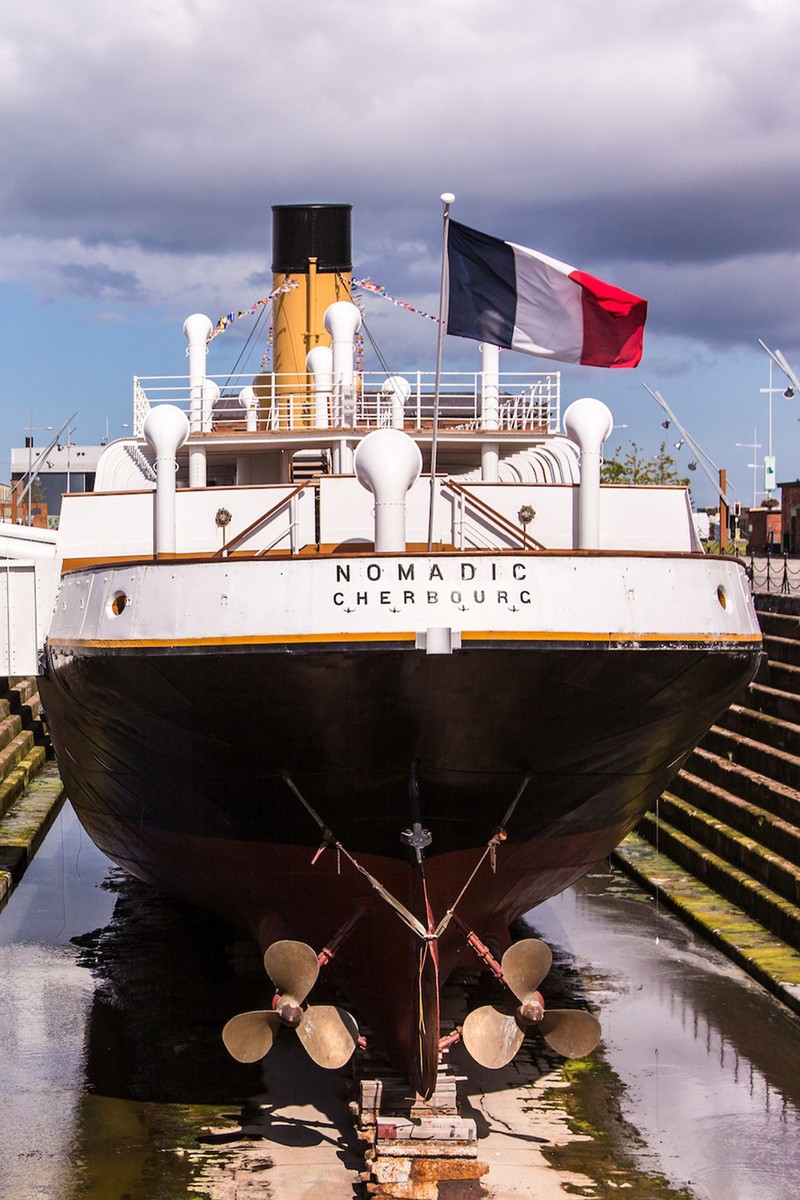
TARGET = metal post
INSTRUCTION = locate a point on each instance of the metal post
(723, 511)
(447, 199)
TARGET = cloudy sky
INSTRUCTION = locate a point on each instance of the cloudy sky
(654, 143)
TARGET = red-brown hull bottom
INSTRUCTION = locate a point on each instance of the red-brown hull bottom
(389, 974)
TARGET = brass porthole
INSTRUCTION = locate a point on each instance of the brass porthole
(722, 596)
(118, 604)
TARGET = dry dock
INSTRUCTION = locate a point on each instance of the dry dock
(115, 1083)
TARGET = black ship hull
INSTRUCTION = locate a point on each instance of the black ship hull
(218, 773)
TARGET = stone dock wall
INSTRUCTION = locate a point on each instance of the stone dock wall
(31, 791)
(723, 845)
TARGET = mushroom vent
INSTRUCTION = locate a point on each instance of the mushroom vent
(388, 463)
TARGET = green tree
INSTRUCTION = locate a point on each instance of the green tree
(634, 467)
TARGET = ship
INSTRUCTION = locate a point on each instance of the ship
(371, 664)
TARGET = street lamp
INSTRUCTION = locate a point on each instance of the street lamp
(753, 466)
(769, 461)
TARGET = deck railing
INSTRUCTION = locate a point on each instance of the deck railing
(527, 401)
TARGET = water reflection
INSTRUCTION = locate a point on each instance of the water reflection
(43, 1009)
(711, 1062)
(114, 1068)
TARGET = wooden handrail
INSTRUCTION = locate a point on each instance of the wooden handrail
(486, 510)
(225, 550)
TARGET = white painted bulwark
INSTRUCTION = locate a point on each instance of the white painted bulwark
(607, 599)
(120, 524)
(27, 595)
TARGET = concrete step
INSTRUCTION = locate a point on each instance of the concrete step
(783, 676)
(777, 602)
(749, 854)
(771, 910)
(18, 689)
(20, 705)
(780, 624)
(774, 763)
(29, 712)
(762, 727)
(779, 799)
(9, 728)
(19, 776)
(16, 749)
(782, 649)
(771, 700)
(746, 818)
(23, 827)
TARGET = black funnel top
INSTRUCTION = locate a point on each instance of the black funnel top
(303, 231)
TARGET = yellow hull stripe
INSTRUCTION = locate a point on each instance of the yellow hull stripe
(490, 635)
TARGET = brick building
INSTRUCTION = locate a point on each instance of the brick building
(790, 515)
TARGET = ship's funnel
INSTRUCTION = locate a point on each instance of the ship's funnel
(589, 422)
(388, 463)
(166, 428)
(311, 264)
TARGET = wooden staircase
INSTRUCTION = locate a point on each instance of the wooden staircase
(732, 815)
(31, 791)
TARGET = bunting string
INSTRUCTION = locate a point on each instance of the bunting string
(225, 322)
(359, 345)
(266, 357)
(376, 289)
(364, 285)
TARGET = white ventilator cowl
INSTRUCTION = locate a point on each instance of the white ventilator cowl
(387, 463)
(588, 422)
(166, 429)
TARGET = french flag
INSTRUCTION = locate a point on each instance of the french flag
(514, 297)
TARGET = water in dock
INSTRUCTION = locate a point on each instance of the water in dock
(115, 1084)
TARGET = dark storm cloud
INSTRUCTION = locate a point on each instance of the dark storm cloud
(100, 282)
(145, 144)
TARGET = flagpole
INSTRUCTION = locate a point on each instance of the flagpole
(447, 198)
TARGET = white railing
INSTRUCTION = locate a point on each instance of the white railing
(527, 401)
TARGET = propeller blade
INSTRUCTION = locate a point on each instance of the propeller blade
(329, 1034)
(525, 965)
(249, 1036)
(492, 1037)
(570, 1031)
(293, 967)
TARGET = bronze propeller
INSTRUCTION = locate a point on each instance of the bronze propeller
(493, 1034)
(328, 1033)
